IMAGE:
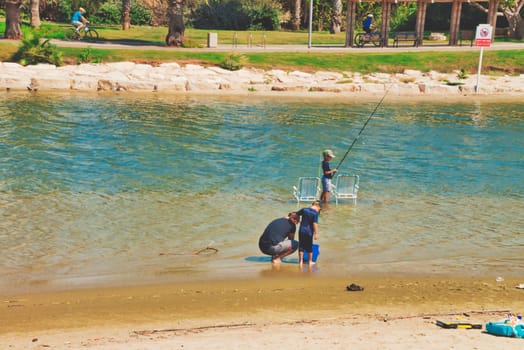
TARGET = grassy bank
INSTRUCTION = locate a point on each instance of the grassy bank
(494, 62)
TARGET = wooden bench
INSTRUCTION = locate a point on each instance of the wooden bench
(502, 32)
(405, 36)
(467, 35)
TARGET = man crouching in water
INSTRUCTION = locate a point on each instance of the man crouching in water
(278, 238)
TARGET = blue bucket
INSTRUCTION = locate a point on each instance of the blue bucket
(316, 252)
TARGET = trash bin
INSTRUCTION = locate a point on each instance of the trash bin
(212, 39)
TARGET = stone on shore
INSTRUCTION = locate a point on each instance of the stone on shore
(172, 77)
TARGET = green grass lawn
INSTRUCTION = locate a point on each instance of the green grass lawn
(494, 62)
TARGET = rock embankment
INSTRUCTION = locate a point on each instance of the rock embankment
(174, 78)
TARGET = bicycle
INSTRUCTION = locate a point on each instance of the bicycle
(362, 39)
(87, 33)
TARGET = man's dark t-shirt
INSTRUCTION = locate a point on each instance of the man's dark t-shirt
(277, 231)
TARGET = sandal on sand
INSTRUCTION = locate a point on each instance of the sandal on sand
(354, 288)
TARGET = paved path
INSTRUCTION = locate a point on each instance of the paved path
(290, 48)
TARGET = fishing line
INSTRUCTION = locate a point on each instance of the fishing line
(363, 127)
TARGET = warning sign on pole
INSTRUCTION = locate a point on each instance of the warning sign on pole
(483, 35)
(482, 39)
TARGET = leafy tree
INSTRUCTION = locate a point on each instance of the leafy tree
(401, 15)
(512, 11)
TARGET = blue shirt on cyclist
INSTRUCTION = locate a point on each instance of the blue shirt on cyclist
(78, 19)
(368, 24)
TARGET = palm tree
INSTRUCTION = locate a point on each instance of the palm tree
(295, 23)
(336, 17)
(175, 14)
(13, 29)
(34, 5)
(126, 14)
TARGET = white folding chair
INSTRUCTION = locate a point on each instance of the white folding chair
(308, 189)
(346, 187)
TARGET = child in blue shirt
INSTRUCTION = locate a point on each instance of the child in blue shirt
(308, 231)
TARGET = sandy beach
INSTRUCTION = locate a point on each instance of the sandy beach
(281, 310)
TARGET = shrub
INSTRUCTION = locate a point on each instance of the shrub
(34, 51)
(86, 56)
(233, 61)
(140, 15)
(462, 74)
(237, 15)
(109, 13)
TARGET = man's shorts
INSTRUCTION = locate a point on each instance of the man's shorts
(282, 247)
(326, 184)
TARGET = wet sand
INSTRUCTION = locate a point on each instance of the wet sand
(390, 313)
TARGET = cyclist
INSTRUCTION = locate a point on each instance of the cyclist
(367, 24)
(78, 19)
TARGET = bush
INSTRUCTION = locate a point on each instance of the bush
(57, 11)
(111, 13)
(87, 56)
(140, 15)
(233, 61)
(237, 15)
(34, 51)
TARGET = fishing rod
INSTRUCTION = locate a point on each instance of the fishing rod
(363, 127)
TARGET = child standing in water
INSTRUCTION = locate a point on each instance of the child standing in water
(327, 175)
(308, 231)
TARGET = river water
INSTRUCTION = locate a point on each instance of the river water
(94, 187)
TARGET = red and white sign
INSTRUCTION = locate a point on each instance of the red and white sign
(483, 35)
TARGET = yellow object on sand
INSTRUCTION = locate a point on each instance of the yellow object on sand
(458, 324)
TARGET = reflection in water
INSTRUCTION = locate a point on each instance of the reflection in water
(93, 189)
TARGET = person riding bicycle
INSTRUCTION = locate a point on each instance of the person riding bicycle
(367, 24)
(78, 19)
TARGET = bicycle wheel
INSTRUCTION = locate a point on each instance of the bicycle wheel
(71, 34)
(91, 35)
(359, 42)
(376, 40)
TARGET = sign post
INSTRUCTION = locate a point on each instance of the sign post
(482, 39)
(310, 27)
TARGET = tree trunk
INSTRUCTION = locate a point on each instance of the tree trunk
(12, 19)
(35, 13)
(512, 14)
(126, 14)
(516, 26)
(336, 17)
(295, 23)
(175, 14)
(515, 21)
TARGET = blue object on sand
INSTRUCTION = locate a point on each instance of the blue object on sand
(316, 252)
(505, 329)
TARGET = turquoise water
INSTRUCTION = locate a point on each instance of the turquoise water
(94, 188)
